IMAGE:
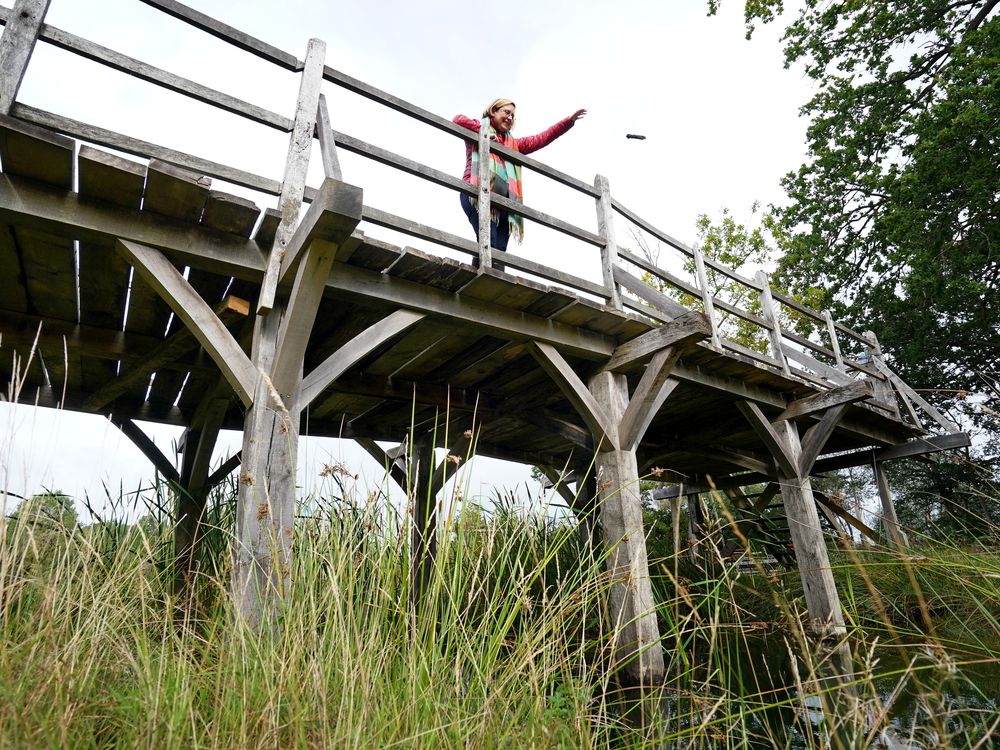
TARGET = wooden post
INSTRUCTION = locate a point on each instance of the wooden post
(890, 522)
(706, 297)
(694, 526)
(770, 314)
(16, 44)
(423, 529)
(485, 253)
(822, 599)
(883, 389)
(296, 165)
(793, 465)
(633, 612)
(831, 331)
(609, 252)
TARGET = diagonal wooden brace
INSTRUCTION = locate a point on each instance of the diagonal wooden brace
(328, 223)
(592, 413)
(357, 348)
(196, 314)
(774, 444)
(682, 332)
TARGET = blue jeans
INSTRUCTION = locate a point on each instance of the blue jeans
(499, 230)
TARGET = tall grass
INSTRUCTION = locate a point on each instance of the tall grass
(506, 650)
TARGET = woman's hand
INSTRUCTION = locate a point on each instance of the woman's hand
(577, 115)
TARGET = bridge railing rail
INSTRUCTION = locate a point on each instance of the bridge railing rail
(821, 351)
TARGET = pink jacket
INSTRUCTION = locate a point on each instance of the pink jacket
(525, 145)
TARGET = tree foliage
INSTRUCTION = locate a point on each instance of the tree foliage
(896, 212)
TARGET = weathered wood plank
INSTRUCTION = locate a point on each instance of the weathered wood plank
(816, 437)
(293, 182)
(103, 286)
(35, 153)
(148, 448)
(859, 390)
(14, 290)
(110, 178)
(331, 217)
(681, 333)
(16, 45)
(645, 292)
(327, 143)
(196, 314)
(175, 192)
(230, 213)
(227, 33)
(50, 273)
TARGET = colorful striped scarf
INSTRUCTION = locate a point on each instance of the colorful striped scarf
(505, 180)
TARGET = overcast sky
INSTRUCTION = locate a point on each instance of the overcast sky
(719, 115)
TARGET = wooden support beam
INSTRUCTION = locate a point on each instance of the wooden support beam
(331, 217)
(816, 437)
(202, 321)
(293, 183)
(19, 36)
(822, 599)
(593, 414)
(767, 434)
(229, 311)
(859, 390)
(343, 209)
(320, 378)
(635, 633)
(225, 469)
(890, 521)
(917, 447)
(193, 489)
(653, 390)
(327, 144)
(141, 441)
(392, 466)
(423, 528)
(848, 518)
(680, 333)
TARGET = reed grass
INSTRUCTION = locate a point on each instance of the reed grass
(508, 648)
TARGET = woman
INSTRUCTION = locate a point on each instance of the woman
(505, 178)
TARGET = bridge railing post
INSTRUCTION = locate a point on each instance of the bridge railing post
(485, 251)
(609, 251)
(707, 302)
(18, 41)
(770, 311)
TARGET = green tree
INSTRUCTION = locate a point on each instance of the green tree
(51, 509)
(896, 212)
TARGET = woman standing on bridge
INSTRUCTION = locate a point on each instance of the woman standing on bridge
(505, 178)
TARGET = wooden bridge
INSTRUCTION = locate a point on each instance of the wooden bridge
(133, 289)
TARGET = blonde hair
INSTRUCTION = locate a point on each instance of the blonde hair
(495, 105)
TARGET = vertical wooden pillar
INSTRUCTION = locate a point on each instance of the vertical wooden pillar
(695, 528)
(16, 44)
(890, 522)
(423, 528)
(632, 607)
(822, 599)
(883, 389)
(265, 504)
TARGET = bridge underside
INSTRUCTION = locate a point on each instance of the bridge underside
(108, 344)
